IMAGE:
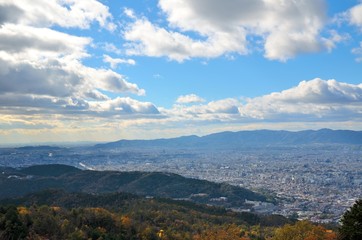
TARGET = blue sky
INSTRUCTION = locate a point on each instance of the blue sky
(73, 70)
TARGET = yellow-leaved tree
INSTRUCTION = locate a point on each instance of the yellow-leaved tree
(303, 230)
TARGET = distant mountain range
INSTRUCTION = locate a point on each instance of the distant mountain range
(235, 140)
(19, 182)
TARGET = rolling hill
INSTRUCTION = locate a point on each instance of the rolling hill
(18, 182)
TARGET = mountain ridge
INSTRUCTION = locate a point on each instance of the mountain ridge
(253, 138)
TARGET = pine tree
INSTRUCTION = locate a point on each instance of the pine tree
(351, 228)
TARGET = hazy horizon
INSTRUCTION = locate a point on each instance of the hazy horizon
(92, 143)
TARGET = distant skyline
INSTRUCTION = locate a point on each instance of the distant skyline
(88, 70)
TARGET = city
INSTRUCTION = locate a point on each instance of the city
(317, 182)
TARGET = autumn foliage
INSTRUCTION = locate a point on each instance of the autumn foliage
(96, 223)
(303, 230)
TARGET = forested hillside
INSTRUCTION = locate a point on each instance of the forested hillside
(62, 202)
(55, 214)
(15, 183)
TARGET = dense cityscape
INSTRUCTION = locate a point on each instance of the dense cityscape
(317, 183)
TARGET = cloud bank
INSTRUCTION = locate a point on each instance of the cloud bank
(315, 103)
(41, 69)
(315, 100)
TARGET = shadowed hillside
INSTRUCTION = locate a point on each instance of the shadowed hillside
(15, 183)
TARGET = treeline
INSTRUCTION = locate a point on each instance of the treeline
(56, 214)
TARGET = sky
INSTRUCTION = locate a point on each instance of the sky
(104, 70)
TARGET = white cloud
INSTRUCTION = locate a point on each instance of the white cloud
(123, 107)
(318, 91)
(64, 13)
(129, 13)
(55, 82)
(45, 89)
(9, 13)
(26, 42)
(190, 98)
(311, 104)
(282, 46)
(315, 99)
(32, 62)
(37, 105)
(335, 37)
(220, 110)
(287, 29)
(355, 15)
(114, 62)
(147, 39)
(105, 79)
(41, 69)
(358, 51)
(110, 47)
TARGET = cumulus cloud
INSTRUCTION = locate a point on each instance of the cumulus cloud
(190, 98)
(64, 13)
(287, 28)
(41, 69)
(9, 13)
(129, 13)
(355, 15)
(27, 42)
(123, 107)
(55, 84)
(150, 40)
(114, 62)
(316, 98)
(45, 88)
(220, 110)
(38, 64)
(318, 91)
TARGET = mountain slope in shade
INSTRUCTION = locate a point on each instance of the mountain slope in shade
(50, 170)
(258, 138)
(15, 183)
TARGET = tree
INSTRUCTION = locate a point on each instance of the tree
(302, 230)
(231, 232)
(10, 225)
(351, 228)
